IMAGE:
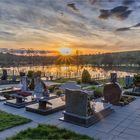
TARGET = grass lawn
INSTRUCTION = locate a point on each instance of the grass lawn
(9, 120)
(64, 80)
(48, 132)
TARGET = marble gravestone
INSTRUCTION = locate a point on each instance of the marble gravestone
(39, 88)
(24, 83)
(79, 111)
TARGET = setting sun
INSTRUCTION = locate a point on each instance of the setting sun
(65, 51)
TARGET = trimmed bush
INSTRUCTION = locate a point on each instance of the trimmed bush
(30, 74)
(86, 77)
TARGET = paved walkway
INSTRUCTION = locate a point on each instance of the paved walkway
(123, 124)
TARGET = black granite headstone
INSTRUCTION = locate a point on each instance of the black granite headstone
(113, 78)
(4, 74)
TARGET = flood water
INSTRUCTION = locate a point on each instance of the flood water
(73, 71)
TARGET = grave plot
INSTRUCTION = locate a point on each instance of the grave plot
(47, 106)
(81, 111)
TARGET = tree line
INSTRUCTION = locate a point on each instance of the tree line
(107, 59)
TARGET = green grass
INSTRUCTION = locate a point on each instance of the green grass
(48, 132)
(103, 81)
(64, 80)
(9, 120)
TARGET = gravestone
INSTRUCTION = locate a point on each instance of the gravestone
(136, 86)
(14, 78)
(4, 74)
(113, 78)
(137, 90)
(128, 81)
(51, 78)
(137, 83)
(79, 109)
(112, 93)
(24, 83)
(74, 96)
(39, 88)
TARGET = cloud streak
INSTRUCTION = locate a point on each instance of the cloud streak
(47, 23)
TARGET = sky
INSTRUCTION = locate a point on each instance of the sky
(88, 25)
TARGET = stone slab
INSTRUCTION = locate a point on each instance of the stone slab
(57, 105)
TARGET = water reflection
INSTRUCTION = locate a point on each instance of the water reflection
(58, 71)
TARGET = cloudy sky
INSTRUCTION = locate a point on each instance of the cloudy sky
(88, 25)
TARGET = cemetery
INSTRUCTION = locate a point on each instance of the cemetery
(84, 105)
(69, 69)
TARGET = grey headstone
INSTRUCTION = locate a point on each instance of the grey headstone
(128, 81)
(39, 88)
(23, 82)
(76, 102)
(131, 80)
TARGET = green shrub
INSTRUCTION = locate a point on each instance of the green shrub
(30, 74)
(86, 77)
(59, 92)
(79, 81)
